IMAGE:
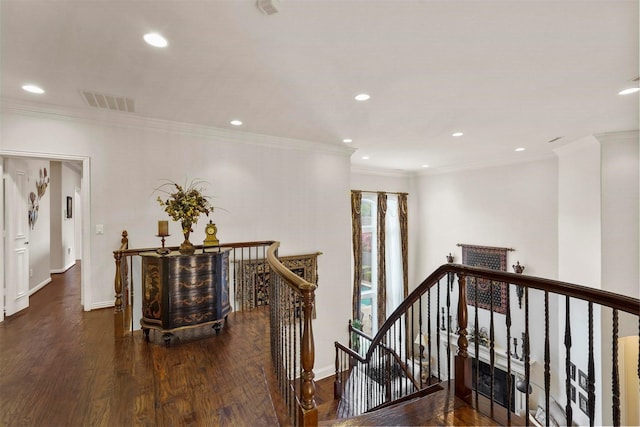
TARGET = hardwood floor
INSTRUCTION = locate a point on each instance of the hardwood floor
(61, 366)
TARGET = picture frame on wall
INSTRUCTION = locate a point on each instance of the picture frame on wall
(69, 207)
(583, 402)
(572, 369)
(573, 393)
(582, 380)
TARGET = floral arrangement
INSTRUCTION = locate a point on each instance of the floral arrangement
(185, 203)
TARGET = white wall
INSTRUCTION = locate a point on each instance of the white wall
(56, 254)
(269, 188)
(511, 206)
(620, 253)
(39, 235)
(579, 251)
(70, 181)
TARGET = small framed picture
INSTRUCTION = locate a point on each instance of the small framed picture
(584, 403)
(572, 369)
(573, 393)
(69, 207)
(582, 380)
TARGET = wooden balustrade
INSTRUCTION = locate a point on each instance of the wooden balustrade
(291, 304)
(464, 370)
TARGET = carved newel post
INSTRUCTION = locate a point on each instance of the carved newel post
(463, 374)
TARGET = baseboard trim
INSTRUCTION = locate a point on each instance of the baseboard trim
(64, 269)
(103, 304)
(39, 286)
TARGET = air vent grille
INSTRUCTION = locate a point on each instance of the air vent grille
(108, 102)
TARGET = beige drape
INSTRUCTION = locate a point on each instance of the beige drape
(382, 267)
(404, 240)
(356, 239)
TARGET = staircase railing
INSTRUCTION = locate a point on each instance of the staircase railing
(291, 300)
(487, 374)
(292, 343)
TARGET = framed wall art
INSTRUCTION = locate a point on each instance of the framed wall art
(583, 402)
(69, 207)
(582, 380)
(488, 296)
(253, 277)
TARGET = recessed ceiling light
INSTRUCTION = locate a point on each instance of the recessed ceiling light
(425, 166)
(629, 91)
(155, 39)
(362, 97)
(365, 157)
(457, 134)
(236, 122)
(520, 149)
(347, 140)
(33, 89)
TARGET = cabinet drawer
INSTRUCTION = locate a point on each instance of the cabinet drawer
(191, 267)
(181, 318)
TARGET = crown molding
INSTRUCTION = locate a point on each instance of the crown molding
(397, 173)
(626, 135)
(134, 121)
(483, 165)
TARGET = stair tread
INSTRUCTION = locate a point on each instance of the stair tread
(440, 408)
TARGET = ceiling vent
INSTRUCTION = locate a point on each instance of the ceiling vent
(108, 102)
(268, 7)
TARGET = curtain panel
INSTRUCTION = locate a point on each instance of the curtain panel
(356, 239)
(382, 269)
(404, 240)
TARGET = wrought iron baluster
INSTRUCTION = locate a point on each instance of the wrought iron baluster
(448, 320)
(476, 341)
(492, 355)
(429, 328)
(615, 376)
(525, 349)
(509, 379)
(547, 354)
(567, 346)
(591, 370)
(438, 329)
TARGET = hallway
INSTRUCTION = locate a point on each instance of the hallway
(60, 366)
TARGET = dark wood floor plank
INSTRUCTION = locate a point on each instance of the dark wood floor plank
(60, 365)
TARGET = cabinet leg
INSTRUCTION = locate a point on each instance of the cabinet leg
(146, 334)
(217, 327)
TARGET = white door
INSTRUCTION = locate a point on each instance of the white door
(17, 236)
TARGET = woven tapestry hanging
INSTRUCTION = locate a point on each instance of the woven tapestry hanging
(486, 257)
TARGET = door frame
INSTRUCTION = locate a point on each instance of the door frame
(85, 179)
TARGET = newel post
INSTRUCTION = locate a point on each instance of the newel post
(308, 411)
(117, 284)
(463, 368)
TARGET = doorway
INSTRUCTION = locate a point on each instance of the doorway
(80, 226)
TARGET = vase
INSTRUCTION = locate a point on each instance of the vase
(186, 247)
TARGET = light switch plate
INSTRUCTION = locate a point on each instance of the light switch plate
(99, 229)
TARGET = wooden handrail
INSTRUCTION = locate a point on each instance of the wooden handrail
(620, 302)
(308, 411)
(293, 280)
(463, 365)
(138, 251)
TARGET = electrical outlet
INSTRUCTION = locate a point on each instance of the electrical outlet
(99, 228)
(31, 272)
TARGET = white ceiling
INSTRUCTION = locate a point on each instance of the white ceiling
(508, 74)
